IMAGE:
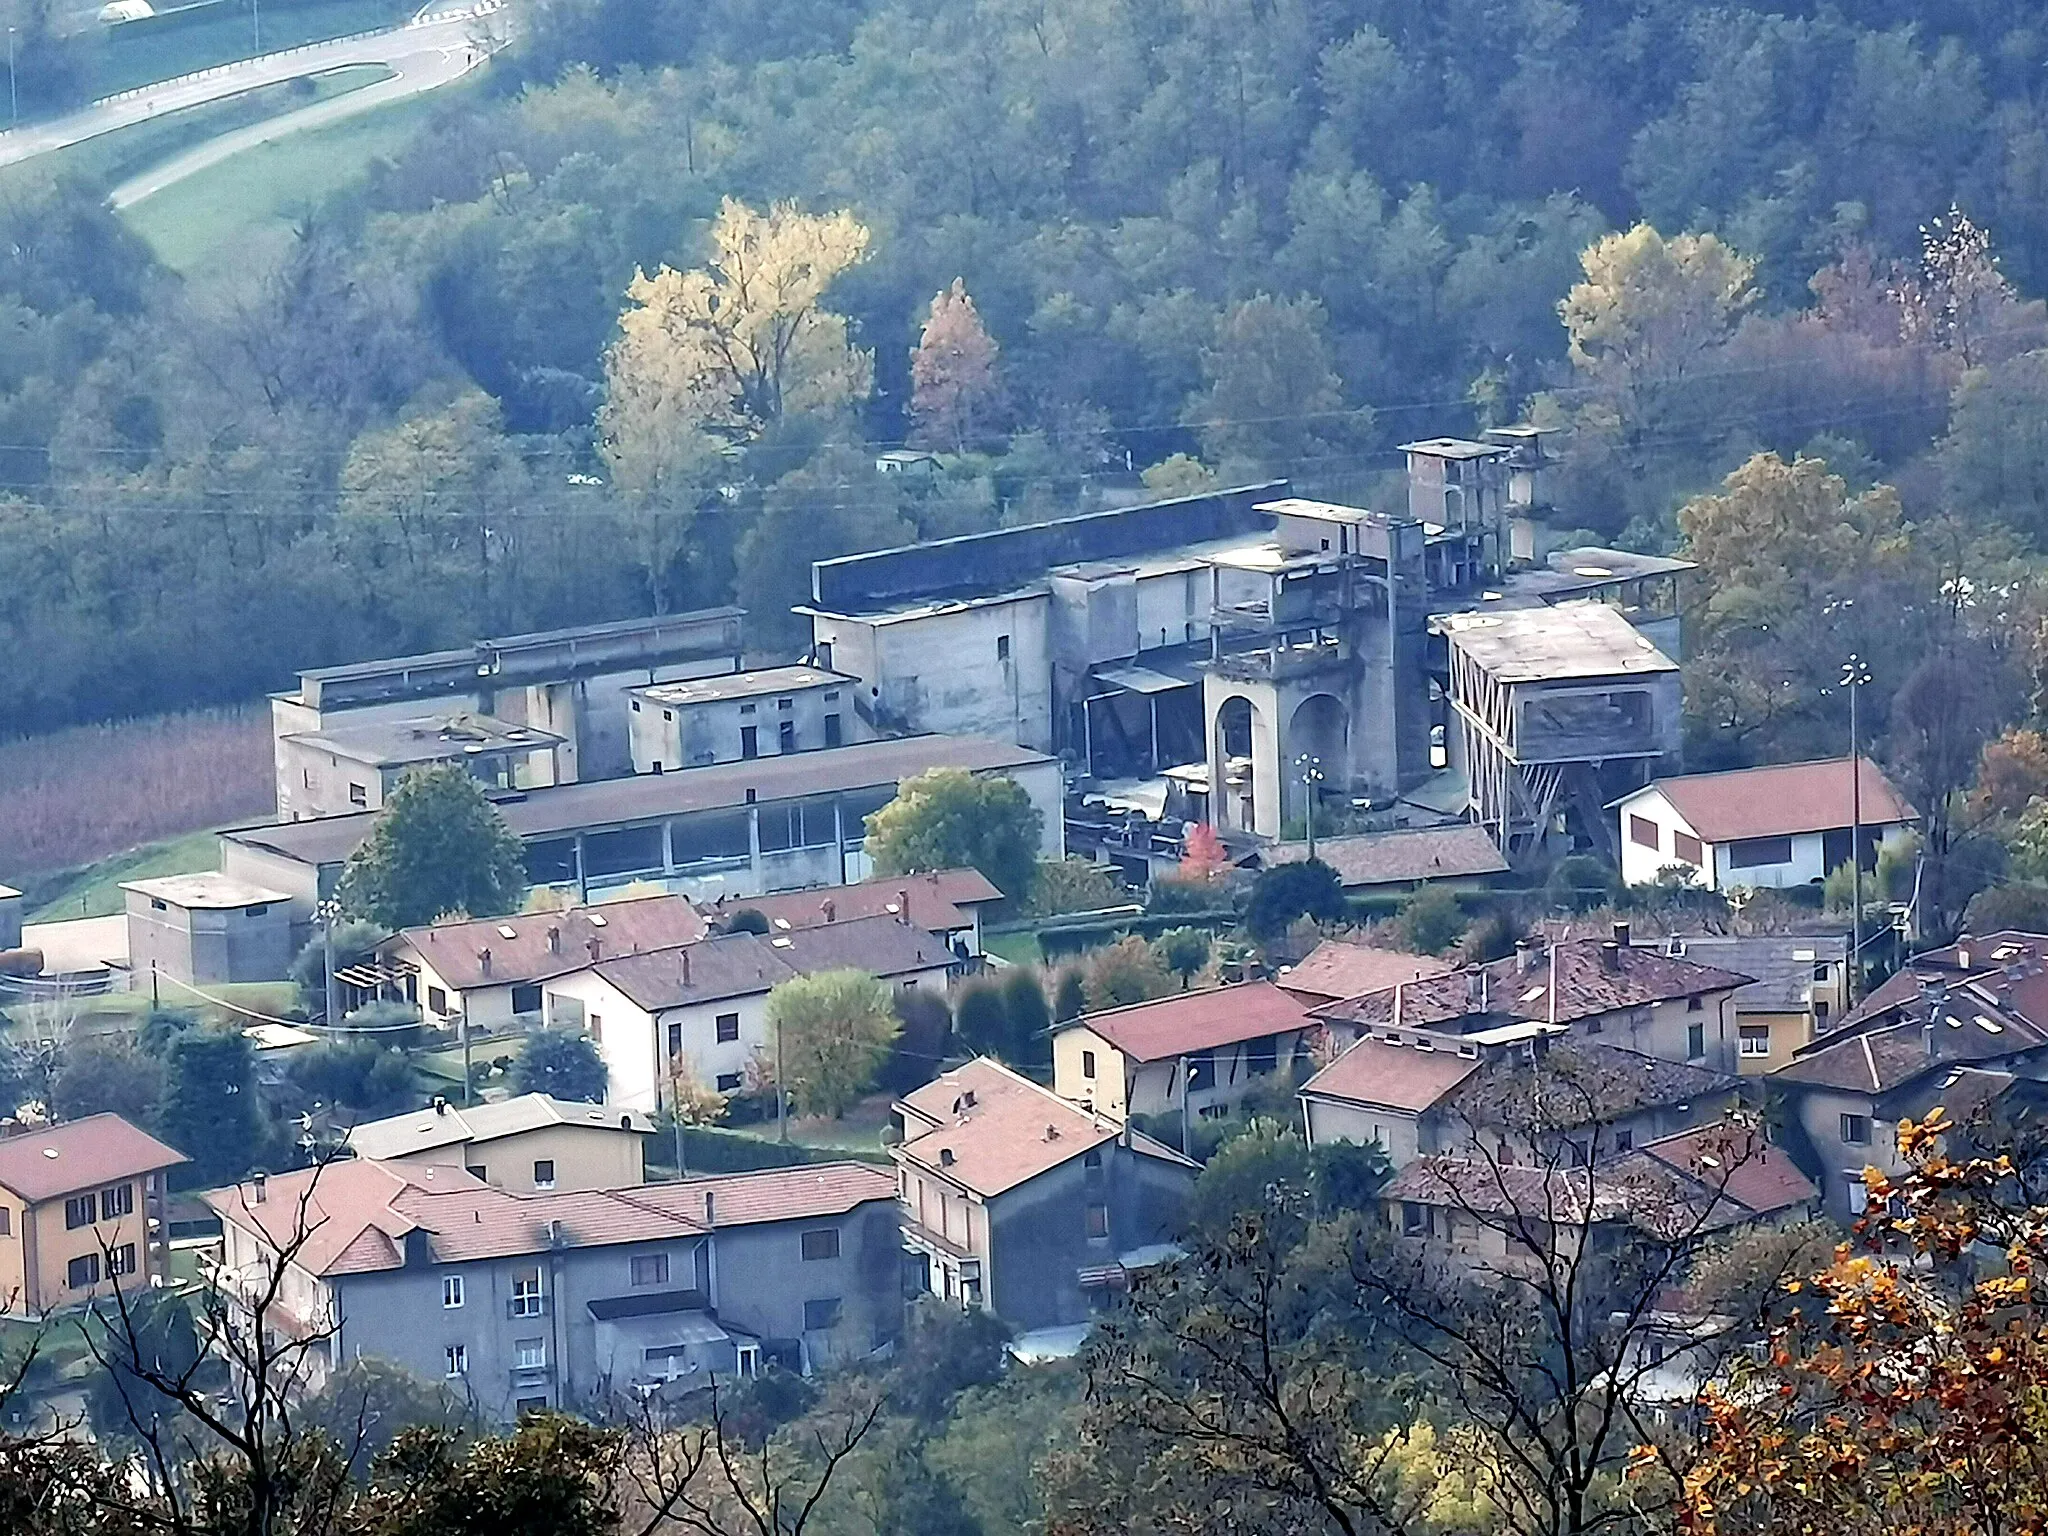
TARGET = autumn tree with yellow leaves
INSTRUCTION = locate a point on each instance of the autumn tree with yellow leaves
(1907, 1389)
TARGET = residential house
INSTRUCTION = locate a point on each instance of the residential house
(1980, 1003)
(205, 929)
(703, 1007)
(1786, 824)
(529, 1144)
(1193, 1053)
(1523, 1088)
(1460, 855)
(1022, 1204)
(1801, 989)
(569, 1300)
(1336, 969)
(949, 903)
(1494, 1218)
(81, 1211)
(733, 829)
(766, 712)
(490, 972)
(1647, 1001)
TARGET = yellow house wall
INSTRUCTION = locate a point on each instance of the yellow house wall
(1106, 1089)
(54, 1246)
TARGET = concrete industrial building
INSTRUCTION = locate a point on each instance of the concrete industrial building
(740, 715)
(208, 928)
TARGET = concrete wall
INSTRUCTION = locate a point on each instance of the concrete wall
(207, 946)
(303, 883)
(1329, 1122)
(983, 670)
(693, 735)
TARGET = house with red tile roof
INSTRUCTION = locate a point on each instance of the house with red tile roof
(1336, 969)
(1022, 1203)
(523, 1301)
(1200, 1050)
(1782, 824)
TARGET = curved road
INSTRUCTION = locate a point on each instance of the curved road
(430, 50)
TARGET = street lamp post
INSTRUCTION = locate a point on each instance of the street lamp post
(328, 912)
(1855, 673)
(1309, 769)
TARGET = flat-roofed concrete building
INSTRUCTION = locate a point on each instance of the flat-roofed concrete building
(356, 765)
(568, 683)
(766, 712)
(735, 829)
(208, 928)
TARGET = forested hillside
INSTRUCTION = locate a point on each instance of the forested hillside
(1223, 237)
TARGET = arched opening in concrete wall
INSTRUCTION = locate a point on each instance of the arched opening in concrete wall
(1320, 729)
(1235, 800)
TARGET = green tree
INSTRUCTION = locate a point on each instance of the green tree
(947, 818)
(439, 846)
(210, 1109)
(982, 1018)
(1285, 892)
(361, 1078)
(1075, 885)
(1185, 951)
(563, 1064)
(835, 1029)
(1070, 997)
(1274, 400)
(107, 1074)
(1128, 971)
(1994, 460)
(1029, 1020)
(1430, 920)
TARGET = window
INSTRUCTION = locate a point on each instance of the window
(1201, 1071)
(81, 1211)
(451, 1292)
(525, 1405)
(833, 735)
(1002, 647)
(750, 741)
(437, 1000)
(785, 705)
(636, 706)
(711, 835)
(257, 910)
(1755, 852)
(544, 1173)
(1644, 833)
(1415, 1219)
(1098, 1220)
(650, 1269)
(529, 1354)
(82, 1271)
(1859, 1195)
(526, 998)
(1820, 1012)
(1087, 1063)
(1755, 1039)
(1092, 1158)
(821, 1243)
(121, 1261)
(358, 795)
(1688, 849)
(728, 1025)
(117, 1200)
(527, 1298)
(596, 1026)
(1695, 1041)
(457, 1356)
(1624, 1141)
(729, 1082)
(820, 1315)
(1820, 973)
(1695, 1004)
(785, 736)
(158, 904)
(6, 1222)
(1856, 1130)
(1262, 1055)
(747, 1359)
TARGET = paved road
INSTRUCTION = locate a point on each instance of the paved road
(426, 52)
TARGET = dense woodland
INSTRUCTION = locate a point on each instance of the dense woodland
(1212, 239)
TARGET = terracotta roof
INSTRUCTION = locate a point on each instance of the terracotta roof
(1183, 1022)
(425, 1129)
(456, 950)
(1738, 1162)
(1586, 987)
(1575, 1081)
(746, 964)
(990, 1130)
(2015, 961)
(773, 1194)
(1395, 1075)
(345, 1211)
(485, 1223)
(1335, 970)
(937, 900)
(1780, 799)
(53, 1160)
(1461, 851)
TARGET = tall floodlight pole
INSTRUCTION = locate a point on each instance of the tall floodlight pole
(13, 97)
(1855, 673)
(1309, 769)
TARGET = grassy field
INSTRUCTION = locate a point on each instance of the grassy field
(95, 890)
(141, 53)
(121, 1012)
(258, 195)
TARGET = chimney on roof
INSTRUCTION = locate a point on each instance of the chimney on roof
(1052, 1133)
(1475, 990)
(483, 961)
(1927, 1038)
(554, 941)
(595, 946)
(440, 1105)
(903, 900)
(556, 1237)
(259, 1185)
(1610, 956)
(1621, 934)
(830, 909)
(1933, 992)
(710, 1208)
(1962, 952)
(686, 966)
(1527, 953)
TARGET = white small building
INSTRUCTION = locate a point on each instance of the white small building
(703, 1008)
(207, 928)
(1781, 825)
(738, 716)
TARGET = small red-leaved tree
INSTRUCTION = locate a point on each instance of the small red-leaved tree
(955, 392)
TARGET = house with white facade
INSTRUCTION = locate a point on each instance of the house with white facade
(1781, 825)
(702, 1009)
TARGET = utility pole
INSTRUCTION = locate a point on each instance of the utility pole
(328, 911)
(1855, 673)
(256, 13)
(781, 1092)
(1309, 769)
